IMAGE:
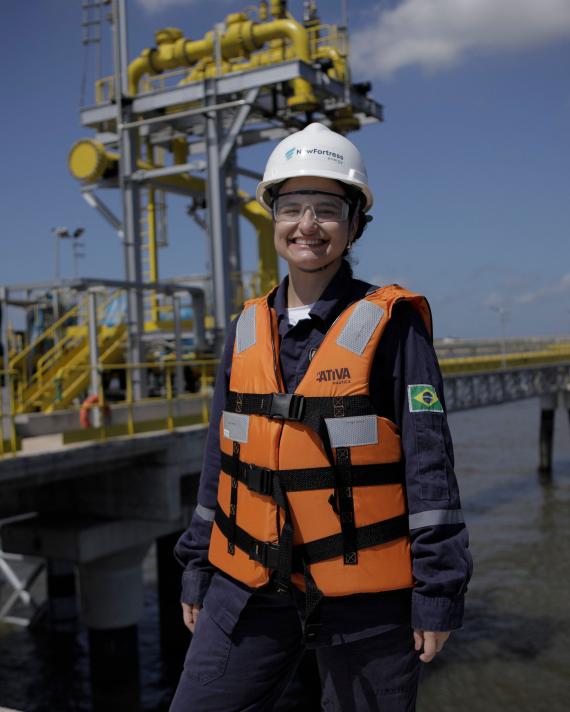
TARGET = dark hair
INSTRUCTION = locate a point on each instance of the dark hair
(357, 199)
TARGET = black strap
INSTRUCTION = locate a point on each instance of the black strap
(285, 561)
(313, 598)
(265, 553)
(291, 406)
(346, 506)
(332, 546)
(261, 479)
(329, 547)
(233, 503)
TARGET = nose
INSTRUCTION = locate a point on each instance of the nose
(308, 222)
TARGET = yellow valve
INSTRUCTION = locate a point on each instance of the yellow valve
(88, 160)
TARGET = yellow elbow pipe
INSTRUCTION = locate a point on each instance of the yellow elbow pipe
(303, 98)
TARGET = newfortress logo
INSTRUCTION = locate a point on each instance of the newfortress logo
(320, 152)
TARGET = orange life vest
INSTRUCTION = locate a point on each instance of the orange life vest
(312, 482)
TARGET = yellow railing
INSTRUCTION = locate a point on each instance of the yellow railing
(497, 362)
(166, 369)
(50, 332)
(165, 396)
(9, 444)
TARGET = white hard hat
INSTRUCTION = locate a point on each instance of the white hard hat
(315, 151)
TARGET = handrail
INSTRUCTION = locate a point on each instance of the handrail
(497, 362)
(47, 332)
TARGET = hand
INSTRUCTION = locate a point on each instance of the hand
(431, 641)
(190, 614)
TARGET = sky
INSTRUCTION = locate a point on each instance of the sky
(470, 168)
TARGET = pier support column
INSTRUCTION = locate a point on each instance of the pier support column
(62, 601)
(566, 401)
(174, 636)
(111, 607)
(547, 411)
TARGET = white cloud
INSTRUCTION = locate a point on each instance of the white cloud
(560, 287)
(436, 34)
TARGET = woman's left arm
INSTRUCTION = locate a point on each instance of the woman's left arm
(406, 367)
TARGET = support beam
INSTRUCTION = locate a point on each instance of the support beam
(237, 125)
(130, 191)
(177, 319)
(95, 201)
(93, 355)
(217, 220)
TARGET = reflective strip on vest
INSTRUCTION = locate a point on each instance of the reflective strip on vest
(236, 426)
(245, 331)
(358, 330)
(436, 517)
(352, 431)
(205, 513)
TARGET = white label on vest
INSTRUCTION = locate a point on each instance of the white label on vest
(353, 431)
(235, 426)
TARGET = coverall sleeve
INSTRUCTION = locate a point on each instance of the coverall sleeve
(441, 560)
(191, 550)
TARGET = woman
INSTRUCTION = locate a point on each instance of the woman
(328, 513)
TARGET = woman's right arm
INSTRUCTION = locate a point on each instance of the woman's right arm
(191, 550)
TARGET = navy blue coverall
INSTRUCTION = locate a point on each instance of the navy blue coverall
(247, 643)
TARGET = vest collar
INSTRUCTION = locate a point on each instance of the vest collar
(336, 296)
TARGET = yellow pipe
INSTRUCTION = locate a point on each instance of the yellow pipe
(240, 39)
(267, 260)
(152, 250)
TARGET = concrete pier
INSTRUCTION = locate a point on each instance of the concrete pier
(62, 599)
(546, 436)
(99, 508)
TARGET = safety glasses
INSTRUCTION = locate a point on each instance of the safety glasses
(326, 207)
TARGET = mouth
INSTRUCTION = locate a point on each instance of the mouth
(306, 242)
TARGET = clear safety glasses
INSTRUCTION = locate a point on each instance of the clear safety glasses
(326, 207)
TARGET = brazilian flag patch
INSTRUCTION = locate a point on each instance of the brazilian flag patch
(423, 398)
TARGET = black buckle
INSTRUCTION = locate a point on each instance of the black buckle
(288, 406)
(311, 632)
(265, 553)
(258, 479)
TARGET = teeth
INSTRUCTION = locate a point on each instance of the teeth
(310, 243)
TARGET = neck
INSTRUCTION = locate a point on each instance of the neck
(306, 287)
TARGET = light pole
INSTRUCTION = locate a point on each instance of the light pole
(504, 316)
(61, 233)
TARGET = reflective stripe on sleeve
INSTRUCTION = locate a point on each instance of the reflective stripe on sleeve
(435, 517)
(205, 513)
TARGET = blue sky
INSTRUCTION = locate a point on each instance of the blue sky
(470, 168)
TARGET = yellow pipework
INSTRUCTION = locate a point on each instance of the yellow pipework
(261, 221)
(90, 161)
(240, 38)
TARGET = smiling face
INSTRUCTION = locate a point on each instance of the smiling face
(307, 245)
